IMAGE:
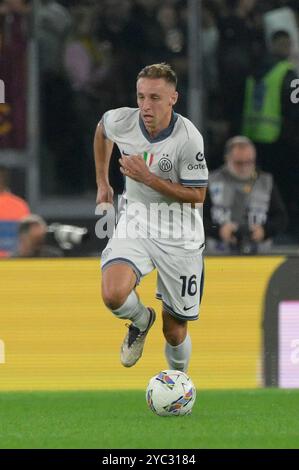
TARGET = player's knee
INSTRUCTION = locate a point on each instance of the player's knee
(113, 298)
(174, 336)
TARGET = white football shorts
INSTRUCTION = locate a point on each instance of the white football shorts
(180, 276)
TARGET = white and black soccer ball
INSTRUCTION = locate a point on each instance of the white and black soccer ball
(171, 393)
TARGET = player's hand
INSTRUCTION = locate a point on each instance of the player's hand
(227, 231)
(104, 194)
(257, 233)
(135, 167)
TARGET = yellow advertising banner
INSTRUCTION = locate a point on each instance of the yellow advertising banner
(56, 333)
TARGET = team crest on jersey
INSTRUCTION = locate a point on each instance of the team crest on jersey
(165, 164)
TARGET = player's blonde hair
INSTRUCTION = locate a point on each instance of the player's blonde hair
(161, 70)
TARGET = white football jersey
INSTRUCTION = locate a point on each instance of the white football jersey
(177, 155)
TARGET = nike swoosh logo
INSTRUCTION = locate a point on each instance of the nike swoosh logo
(124, 153)
(189, 308)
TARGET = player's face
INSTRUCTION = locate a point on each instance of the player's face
(241, 161)
(155, 98)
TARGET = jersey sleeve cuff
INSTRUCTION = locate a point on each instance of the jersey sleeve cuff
(194, 183)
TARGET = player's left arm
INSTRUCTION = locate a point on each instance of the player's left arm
(177, 191)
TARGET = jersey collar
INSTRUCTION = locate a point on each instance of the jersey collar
(163, 134)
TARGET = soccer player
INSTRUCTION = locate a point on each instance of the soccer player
(163, 162)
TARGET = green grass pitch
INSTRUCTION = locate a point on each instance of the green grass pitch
(266, 418)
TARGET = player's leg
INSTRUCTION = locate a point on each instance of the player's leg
(178, 342)
(119, 277)
(118, 282)
(180, 285)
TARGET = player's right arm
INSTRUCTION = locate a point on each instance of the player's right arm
(102, 153)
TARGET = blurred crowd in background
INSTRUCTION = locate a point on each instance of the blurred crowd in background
(90, 53)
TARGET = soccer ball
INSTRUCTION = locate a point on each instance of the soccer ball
(171, 393)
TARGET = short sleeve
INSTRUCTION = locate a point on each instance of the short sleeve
(109, 124)
(193, 169)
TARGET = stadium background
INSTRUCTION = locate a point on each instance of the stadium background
(55, 334)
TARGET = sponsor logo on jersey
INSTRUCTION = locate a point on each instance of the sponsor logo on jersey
(199, 166)
(165, 164)
(199, 157)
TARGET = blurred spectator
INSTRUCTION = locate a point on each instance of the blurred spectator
(210, 44)
(87, 62)
(267, 96)
(271, 120)
(144, 12)
(53, 24)
(216, 127)
(243, 208)
(13, 70)
(236, 36)
(32, 239)
(283, 19)
(12, 207)
(86, 59)
(60, 150)
(121, 24)
(173, 47)
(12, 210)
(172, 34)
